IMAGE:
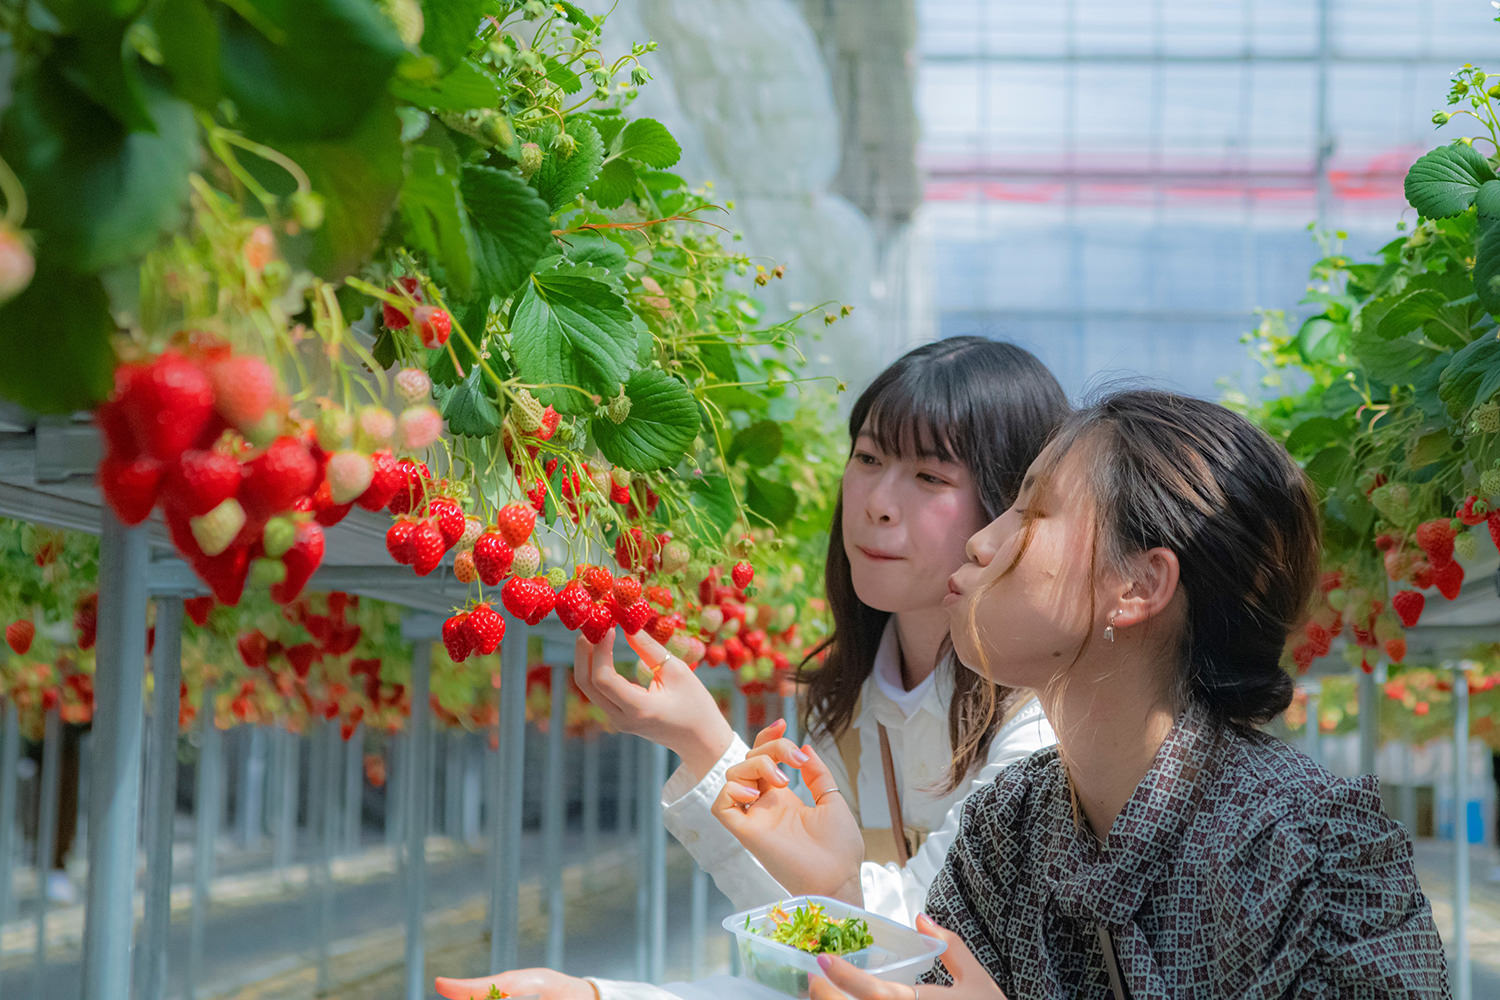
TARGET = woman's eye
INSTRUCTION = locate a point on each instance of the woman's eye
(864, 458)
(928, 477)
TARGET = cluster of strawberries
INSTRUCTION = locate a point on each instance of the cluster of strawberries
(201, 433)
(1427, 558)
(288, 668)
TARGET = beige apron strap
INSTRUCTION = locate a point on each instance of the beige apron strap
(1112, 965)
(893, 798)
(848, 748)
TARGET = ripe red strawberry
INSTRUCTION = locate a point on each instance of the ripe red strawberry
(492, 558)
(598, 622)
(301, 561)
(386, 479)
(394, 318)
(742, 574)
(412, 493)
(426, 546)
(488, 628)
(1449, 579)
(86, 619)
(515, 523)
(619, 494)
(636, 550)
(458, 639)
(225, 573)
(167, 404)
(715, 656)
(324, 510)
(1473, 511)
(633, 617)
(301, 657)
(198, 609)
(573, 604)
(253, 648)
(450, 520)
(276, 478)
(538, 496)
(1408, 605)
(433, 325)
(1436, 539)
(661, 597)
(464, 570)
(18, 634)
(1395, 649)
(244, 389)
(518, 596)
(663, 627)
(200, 480)
(597, 581)
(130, 486)
(627, 591)
(549, 425)
(1493, 523)
(398, 541)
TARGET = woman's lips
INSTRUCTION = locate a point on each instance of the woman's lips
(953, 594)
(877, 554)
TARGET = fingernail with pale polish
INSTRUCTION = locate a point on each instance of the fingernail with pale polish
(799, 757)
(825, 962)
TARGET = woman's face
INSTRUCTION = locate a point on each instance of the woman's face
(905, 524)
(1031, 623)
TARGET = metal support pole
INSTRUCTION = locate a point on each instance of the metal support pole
(699, 919)
(161, 796)
(46, 841)
(285, 847)
(453, 768)
(473, 783)
(10, 755)
(507, 826)
(644, 793)
(395, 793)
(252, 788)
(554, 795)
(789, 713)
(417, 806)
(354, 788)
(207, 802)
(115, 765)
(656, 778)
(1369, 722)
(329, 808)
(1310, 735)
(591, 796)
(738, 710)
(1463, 986)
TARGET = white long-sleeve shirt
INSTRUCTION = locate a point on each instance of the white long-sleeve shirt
(916, 723)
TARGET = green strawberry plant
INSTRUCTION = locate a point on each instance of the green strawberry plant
(446, 274)
(1388, 399)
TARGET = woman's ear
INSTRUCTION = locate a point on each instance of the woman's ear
(1151, 587)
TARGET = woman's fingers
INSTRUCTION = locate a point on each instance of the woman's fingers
(852, 982)
(756, 771)
(771, 732)
(783, 751)
(467, 989)
(815, 774)
(647, 648)
(956, 958)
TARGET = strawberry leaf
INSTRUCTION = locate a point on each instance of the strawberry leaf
(510, 223)
(468, 407)
(448, 29)
(1444, 182)
(55, 337)
(766, 498)
(661, 425)
(647, 141)
(432, 209)
(559, 180)
(572, 331)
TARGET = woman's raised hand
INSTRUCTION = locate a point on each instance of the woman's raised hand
(814, 849)
(971, 981)
(674, 709)
(544, 983)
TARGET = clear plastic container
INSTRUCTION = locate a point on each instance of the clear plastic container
(898, 953)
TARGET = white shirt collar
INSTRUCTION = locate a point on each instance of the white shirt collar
(886, 675)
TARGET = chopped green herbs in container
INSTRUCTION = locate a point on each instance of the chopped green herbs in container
(809, 928)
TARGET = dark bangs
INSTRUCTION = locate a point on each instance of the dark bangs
(987, 405)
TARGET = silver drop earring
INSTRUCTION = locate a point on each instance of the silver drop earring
(1109, 630)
